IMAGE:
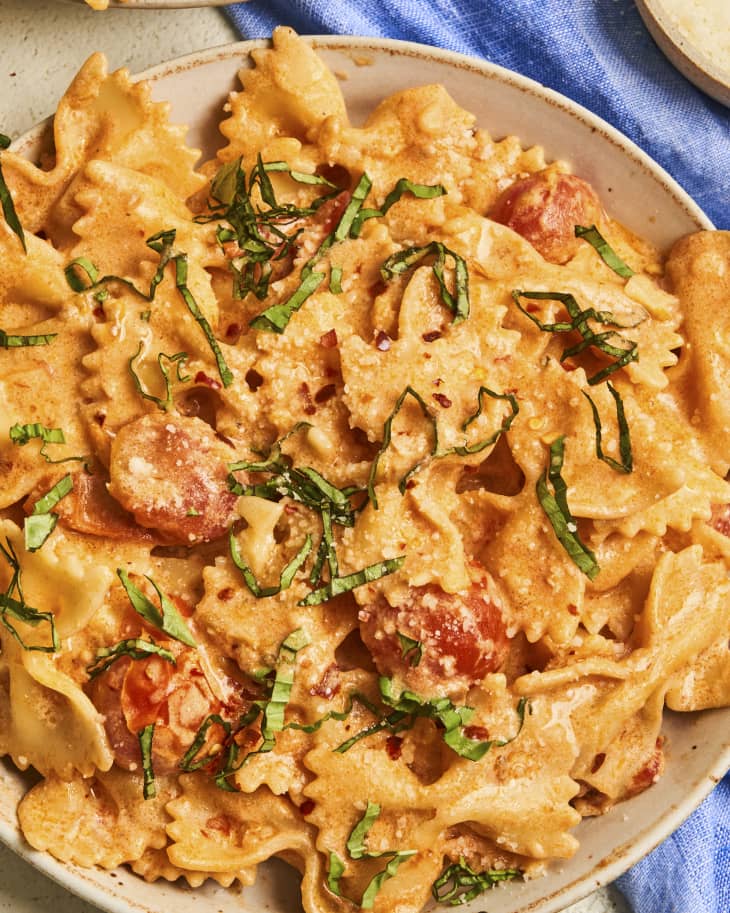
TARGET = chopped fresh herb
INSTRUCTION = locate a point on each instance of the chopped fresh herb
(503, 429)
(190, 760)
(402, 261)
(22, 434)
(362, 189)
(338, 585)
(624, 354)
(276, 318)
(178, 360)
(13, 341)
(459, 883)
(558, 513)
(420, 191)
(336, 280)
(145, 315)
(6, 199)
(371, 891)
(13, 605)
(168, 619)
(286, 577)
(145, 736)
(627, 461)
(356, 840)
(41, 523)
(593, 236)
(410, 649)
(72, 274)
(335, 871)
(135, 648)
(387, 435)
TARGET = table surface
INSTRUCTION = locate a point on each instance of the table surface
(42, 45)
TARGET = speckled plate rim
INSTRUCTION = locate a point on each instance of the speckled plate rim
(610, 844)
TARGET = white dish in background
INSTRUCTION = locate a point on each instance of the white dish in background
(636, 191)
(695, 37)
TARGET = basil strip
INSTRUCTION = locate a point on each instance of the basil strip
(14, 341)
(623, 354)
(336, 280)
(17, 608)
(373, 888)
(145, 736)
(168, 620)
(134, 648)
(420, 191)
(593, 236)
(387, 434)
(459, 883)
(557, 511)
(627, 461)
(6, 200)
(362, 189)
(178, 360)
(41, 523)
(286, 577)
(188, 762)
(22, 434)
(335, 871)
(410, 649)
(275, 318)
(77, 284)
(467, 449)
(339, 585)
(181, 278)
(356, 840)
(403, 260)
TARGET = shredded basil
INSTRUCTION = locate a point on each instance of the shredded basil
(145, 736)
(403, 260)
(357, 850)
(624, 354)
(190, 760)
(503, 429)
(73, 278)
(41, 523)
(22, 434)
(134, 648)
(6, 199)
(336, 280)
(410, 649)
(627, 461)
(286, 577)
(338, 585)
(558, 513)
(420, 191)
(276, 318)
(178, 360)
(13, 605)
(593, 236)
(166, 618)
(459, 883)
(14, 341)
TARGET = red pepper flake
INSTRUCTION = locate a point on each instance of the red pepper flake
(202, 378)
(233, 330)
(382, 341)
(290, 509)
(100, 418)
(394, 747)
(573, 609)
(598, 762)
(307, 807)
(253, 379)
(220, 823)
(226, 593)
(309, 407)
(329, 684)
(328, 340)
(568, 366)
(325, 393)
(411, 483)
(442, 399)
(99, 312)
(432, 336)
(478, 733)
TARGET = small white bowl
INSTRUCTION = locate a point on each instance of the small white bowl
(686, 48)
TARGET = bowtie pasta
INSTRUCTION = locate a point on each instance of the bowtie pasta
(364, 492)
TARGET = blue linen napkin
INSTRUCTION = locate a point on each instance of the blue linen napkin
(598, 53)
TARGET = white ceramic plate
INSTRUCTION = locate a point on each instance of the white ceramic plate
(685, 40)
(643, 197)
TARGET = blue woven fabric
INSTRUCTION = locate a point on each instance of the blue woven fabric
(598, 53)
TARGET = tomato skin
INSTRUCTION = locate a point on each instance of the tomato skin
(462, 637)
(545, 208)
(170, 473)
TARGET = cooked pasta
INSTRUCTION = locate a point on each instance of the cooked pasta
(364, 492)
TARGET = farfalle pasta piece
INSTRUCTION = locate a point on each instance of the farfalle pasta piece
(95, 821)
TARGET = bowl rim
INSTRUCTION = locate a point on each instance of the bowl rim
(621, 857)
